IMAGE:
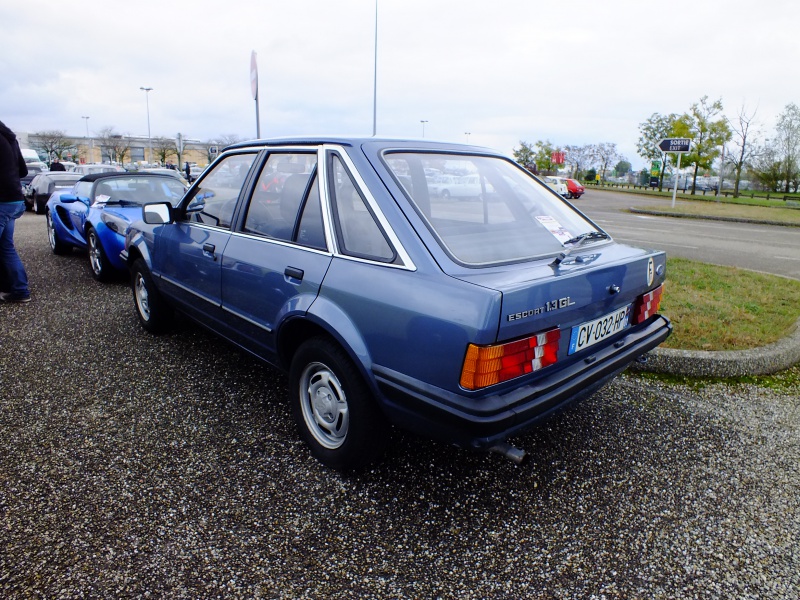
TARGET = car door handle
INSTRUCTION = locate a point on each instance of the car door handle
(293, 273)
(209, 249)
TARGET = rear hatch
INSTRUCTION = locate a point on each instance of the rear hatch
(590, 297)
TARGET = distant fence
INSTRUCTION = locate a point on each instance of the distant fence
(791, 200)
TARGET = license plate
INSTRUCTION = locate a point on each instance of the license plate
(595, 331)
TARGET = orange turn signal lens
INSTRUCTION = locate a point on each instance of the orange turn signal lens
(488, 365)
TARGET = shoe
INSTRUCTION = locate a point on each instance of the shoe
(13, 298)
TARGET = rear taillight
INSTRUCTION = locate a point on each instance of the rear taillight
(488, 365)
(647, 305)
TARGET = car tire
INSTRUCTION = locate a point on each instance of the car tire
(333, 408)
(98, 261)
(154, 313)
(56, 245)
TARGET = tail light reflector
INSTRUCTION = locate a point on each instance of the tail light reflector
(488, 365)
(647, 305)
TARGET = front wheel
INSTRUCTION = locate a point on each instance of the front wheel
(56, 245)
(333, 408)
(98, 261)
(154, 313)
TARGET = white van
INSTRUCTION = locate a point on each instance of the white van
(32, 160)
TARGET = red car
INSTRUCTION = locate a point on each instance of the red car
(574, 187)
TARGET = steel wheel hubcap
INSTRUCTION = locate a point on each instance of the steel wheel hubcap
(324, 405)
(142, 299)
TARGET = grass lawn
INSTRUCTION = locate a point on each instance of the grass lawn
(725, 308)
(726, 209)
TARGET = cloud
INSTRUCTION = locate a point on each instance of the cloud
(571, 72)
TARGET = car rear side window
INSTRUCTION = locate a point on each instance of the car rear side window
(286, 188)
(214, 200)
(357, 230)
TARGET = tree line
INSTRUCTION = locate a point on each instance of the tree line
(116, 147)
(771, 162)
(583, 162)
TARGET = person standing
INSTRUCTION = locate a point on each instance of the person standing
(188, 171)
(56, 165)
(12, 206)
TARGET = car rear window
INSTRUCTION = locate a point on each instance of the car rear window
(485, 210)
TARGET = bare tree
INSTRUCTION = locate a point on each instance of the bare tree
(744, 149)
(164, 147)
(113, 145)
(606, 154)
(54, 143)
(580, 157)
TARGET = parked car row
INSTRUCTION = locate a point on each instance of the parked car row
(341, 262)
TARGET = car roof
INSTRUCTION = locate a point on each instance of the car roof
(394, 143)
(118, 174)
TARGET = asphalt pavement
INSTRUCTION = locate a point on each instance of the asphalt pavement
(137, 466)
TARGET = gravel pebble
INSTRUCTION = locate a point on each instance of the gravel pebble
(168, 467)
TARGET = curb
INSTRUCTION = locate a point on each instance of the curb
(660, 213)
(764, 360)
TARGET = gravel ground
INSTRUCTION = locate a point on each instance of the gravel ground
(168, 467)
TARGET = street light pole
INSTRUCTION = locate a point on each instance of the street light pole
(423, 127)
(89, 147)
(466, 133)
(147, 91)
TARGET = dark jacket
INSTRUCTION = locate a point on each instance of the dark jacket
(12, 166)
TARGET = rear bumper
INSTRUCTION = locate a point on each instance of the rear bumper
(482, 421)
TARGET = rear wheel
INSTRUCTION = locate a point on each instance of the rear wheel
(56, 245)
(98, 261)
(154, 314)
(333, 408)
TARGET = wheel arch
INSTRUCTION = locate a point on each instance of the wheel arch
(317, 322)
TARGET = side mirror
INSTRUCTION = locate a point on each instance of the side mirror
(70, 198)
(157, 213)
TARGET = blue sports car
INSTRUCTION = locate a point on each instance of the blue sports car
(95, 214)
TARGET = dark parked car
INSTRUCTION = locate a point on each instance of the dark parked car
(43, 185)
(466, 320)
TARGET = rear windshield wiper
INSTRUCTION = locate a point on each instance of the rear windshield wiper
(577, 242)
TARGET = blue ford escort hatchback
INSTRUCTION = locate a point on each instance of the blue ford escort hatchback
(464, 318)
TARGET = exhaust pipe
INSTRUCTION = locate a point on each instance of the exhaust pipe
(512, 453)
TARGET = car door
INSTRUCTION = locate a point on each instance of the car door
(275, 261)
(189, 256)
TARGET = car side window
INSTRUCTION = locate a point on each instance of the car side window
(312, 231)
(214, 200)
(357, 230)
(279, 195)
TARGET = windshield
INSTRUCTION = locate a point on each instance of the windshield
(138, 189)
(486, 210)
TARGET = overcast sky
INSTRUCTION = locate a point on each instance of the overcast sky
(568, 71)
